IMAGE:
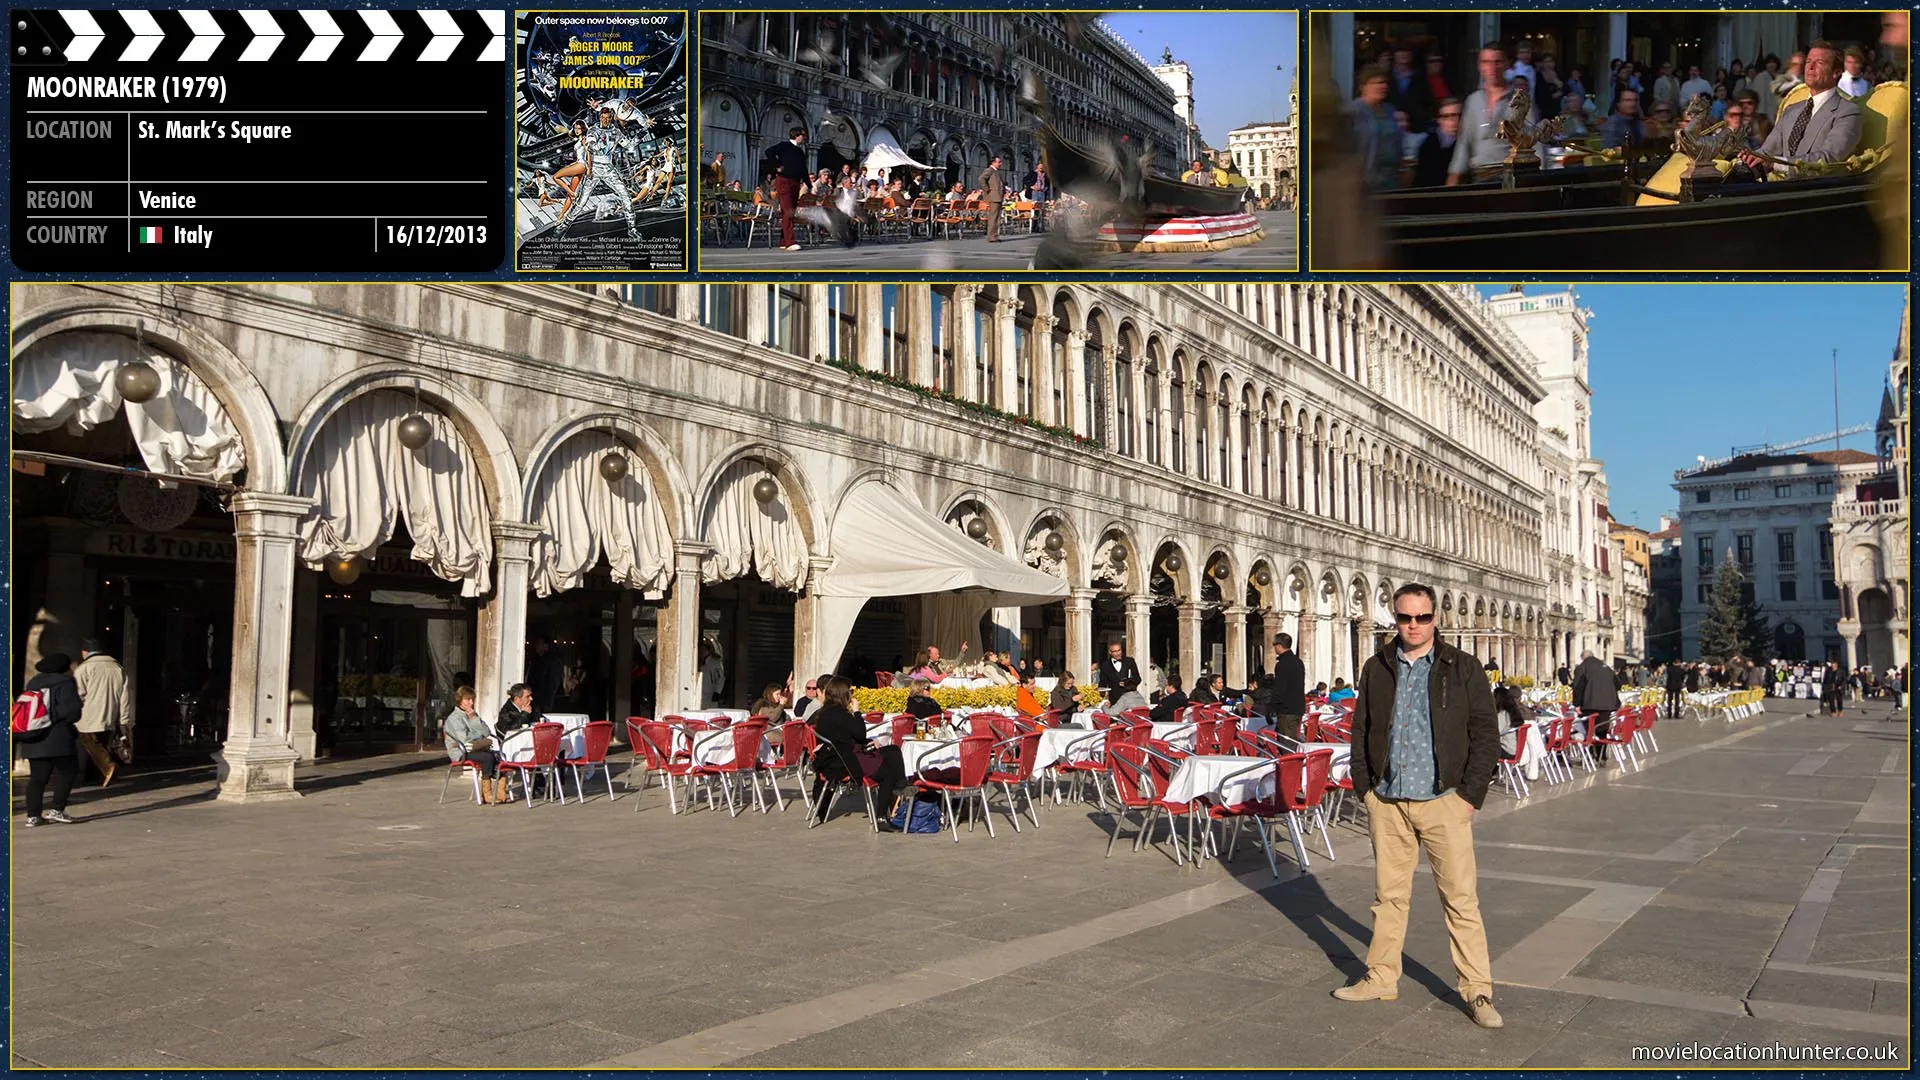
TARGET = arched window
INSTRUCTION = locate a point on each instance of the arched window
(986, 347)
(1094, 382)
(1224, 414)
(1062, 365)
(1201, 464)
(1123, 395)
(1152, 410)
(787, 318)
(944, 321)
(721, 309)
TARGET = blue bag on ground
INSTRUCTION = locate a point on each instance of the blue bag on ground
(926, 816)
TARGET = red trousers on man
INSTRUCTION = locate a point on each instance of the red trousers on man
(788, 192)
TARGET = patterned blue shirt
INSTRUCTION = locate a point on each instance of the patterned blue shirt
(1410, 761)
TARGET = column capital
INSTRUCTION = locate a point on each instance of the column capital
(514, 540)
(1084, 596)
(270, 503)
(1235, 611)
(688, 555)
(1138, 604)
(1191, 609)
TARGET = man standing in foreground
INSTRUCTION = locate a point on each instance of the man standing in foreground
(1425, 743)
(1283, 697)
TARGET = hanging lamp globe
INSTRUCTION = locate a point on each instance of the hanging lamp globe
(1172, 562)
(613, 467)
(415, 432)
(1055, 543)
(136, 381)
(1263, 579)
(977, 528)
(345, 571)
(765, 490)
(1117, 555)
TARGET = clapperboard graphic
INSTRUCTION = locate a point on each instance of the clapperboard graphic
(208, 140)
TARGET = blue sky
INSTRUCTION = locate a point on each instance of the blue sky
(1684, 370)
(1233, 55)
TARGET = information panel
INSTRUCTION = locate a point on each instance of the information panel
(258, 141)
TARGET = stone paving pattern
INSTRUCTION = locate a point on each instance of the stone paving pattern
(1015, 252)
(1750, 886)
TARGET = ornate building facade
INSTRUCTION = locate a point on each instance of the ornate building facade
(385, 510)
(1873, 532)
(939, 86)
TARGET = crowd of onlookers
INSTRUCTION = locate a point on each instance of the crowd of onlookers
(1413, 129)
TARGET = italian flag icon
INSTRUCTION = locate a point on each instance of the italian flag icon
(151, 234)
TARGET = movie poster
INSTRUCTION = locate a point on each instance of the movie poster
(601, 116)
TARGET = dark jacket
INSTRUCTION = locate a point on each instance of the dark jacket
(1203, 694)
(1110, 680)
(1285, 691)
(1432, 162)
(1676, 677)
(923, 707)
(1169, 702)
(511, 719)
(847, 733)
(789, 161)
(61, 738)
(1466, 736)
(1594, 687)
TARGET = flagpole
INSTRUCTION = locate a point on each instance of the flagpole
(1836, 400)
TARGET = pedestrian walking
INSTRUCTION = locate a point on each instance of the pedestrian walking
(993, 189)
(53, 752)
(1425, 747)
(106, 720)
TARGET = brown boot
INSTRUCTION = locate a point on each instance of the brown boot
(505, 795)
(486, 791)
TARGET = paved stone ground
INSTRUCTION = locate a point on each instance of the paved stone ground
(1276, 252)
(1747, 888)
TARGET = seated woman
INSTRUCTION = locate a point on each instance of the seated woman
(920, 701)
(1064, 701)
(925, 667)
(771, 704)
(1205, 690)
(994, 672)
(468, 737)
(1341, 692)
(1509, 714)
(845, 748)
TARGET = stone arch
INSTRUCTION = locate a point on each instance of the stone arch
(1055, 519)
(792, 481)
(1222, 556)
(500, 474)
(1270, 592)
(1116, 531)
(657, 457)
(1184, 579)
(999, 536)
(240, 394)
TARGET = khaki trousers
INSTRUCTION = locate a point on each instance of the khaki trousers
(1444, 828)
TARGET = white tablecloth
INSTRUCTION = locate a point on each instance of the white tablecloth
(573, 741)
(1341, 767)
(716, 748)
(1177, 735)
(1205, 776)
(735, 715)
(1055, 743)
(928, 753)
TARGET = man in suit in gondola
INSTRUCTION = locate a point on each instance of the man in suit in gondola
(1824, 127)
(1118, 671)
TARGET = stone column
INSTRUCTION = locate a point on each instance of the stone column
(303, 679)
(1236, 673)
(1271, 623)
(256, 762)
(500, 653)
(1140, 630)
(1190, 661)
(1341, 43)
(966, 350)
(807, 661)
(1110, 410)
(757, 304)
(1007, 394)
(1079, 410)
(686, 303)
(1303, 644)
(1163, 423)
(1041, 342)
(676, 650)
(873, 333)
(620, 696)
(1853, 648)
(1079, 610)
(1137, 387)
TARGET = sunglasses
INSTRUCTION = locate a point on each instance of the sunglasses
(1403, 618)
(811, 686)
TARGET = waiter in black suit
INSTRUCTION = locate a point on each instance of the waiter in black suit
(1116, 670)
(789, 172)
(1282, 698)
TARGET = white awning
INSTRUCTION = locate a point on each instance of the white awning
(886, 154)
(885, 544)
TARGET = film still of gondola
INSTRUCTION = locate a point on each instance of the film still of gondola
(980, 140)
(1709, 141)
